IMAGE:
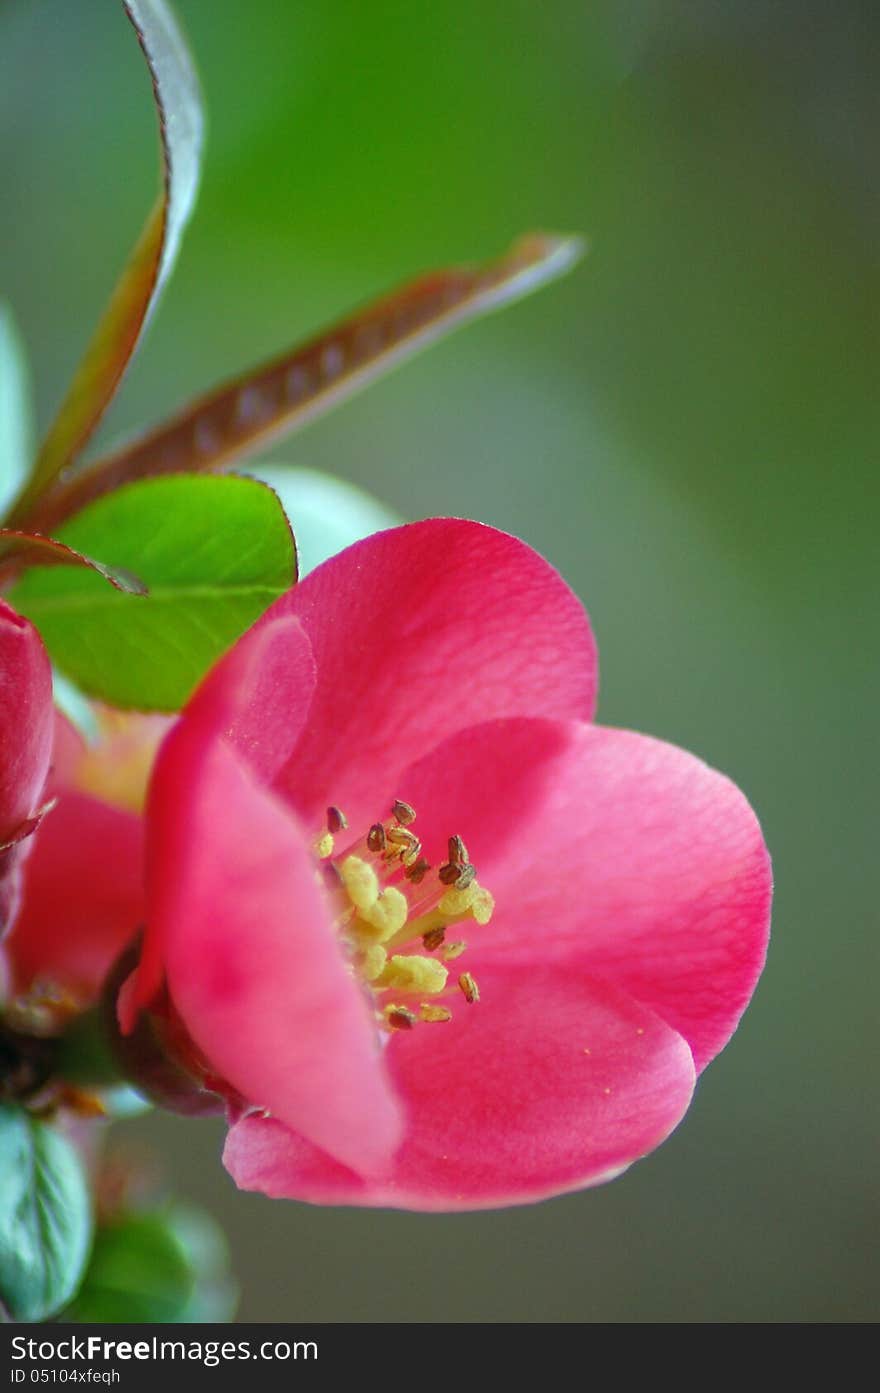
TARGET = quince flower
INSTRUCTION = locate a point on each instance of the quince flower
(439, 941)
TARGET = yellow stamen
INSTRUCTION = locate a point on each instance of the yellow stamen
(360, 881)
(456, 903)
(414, 974)
(388, 915)
(378, 910)
(371, 961)
(482, 905)
(324, 846)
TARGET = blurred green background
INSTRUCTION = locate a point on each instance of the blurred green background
(686, 427)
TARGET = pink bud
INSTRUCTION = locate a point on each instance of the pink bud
(26, 721)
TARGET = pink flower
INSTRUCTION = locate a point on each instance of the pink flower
(613, 891)
(25, 745)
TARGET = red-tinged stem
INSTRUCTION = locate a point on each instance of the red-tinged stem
(286, 393)
(31, 548)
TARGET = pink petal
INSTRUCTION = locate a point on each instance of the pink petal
(253, 965)
(417, 633)
(611, 851)
(257, 696)
(26, 719)
(552, 1083)
(83, 896)
(255, 699)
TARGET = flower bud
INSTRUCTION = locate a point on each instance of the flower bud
(26, 722)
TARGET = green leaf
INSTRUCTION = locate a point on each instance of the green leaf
(168, 1265)
(326, 514)
(178, 104)
(45, 1217)
(137, 1272)
(213, 552)
(15, 410)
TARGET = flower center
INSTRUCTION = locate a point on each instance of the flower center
(394, 911)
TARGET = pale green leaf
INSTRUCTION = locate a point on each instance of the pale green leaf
(45, 1217)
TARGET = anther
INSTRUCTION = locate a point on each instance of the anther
(400, 1017)
(336, 819)
(457, 852)
(400, 836)
(434, 938)
(466, 877)
(450, 951)
(448, 873)
(417, 872)
(404, 812)
(376, 837)
(429, 1012)
(469, 987)
(411, 854)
